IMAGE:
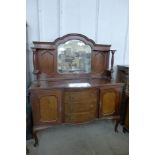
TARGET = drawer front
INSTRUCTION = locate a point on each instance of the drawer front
(80, 117)
(80, 107)
(83, 95)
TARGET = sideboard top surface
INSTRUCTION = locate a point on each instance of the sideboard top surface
(73, 84)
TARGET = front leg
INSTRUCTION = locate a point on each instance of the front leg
(35, 138)
(116, 124)
(27, 150)
(124, 130)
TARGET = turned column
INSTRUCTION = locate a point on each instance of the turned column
(112, 62)
(35, 64)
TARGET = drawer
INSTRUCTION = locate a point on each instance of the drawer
(78, 96)
(80, 117)
(80, 107)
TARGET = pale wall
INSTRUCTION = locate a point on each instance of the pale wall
(104, 21)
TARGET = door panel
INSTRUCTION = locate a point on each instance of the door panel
(46, 105)
(46, 61)
(48, 108)
(109, 101)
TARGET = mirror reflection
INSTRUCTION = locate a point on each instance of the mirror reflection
(74, 56)
(79, 85)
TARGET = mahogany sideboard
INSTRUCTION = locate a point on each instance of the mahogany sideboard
(73, 83)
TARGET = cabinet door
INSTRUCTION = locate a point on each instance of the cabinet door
(109, 101)
(46, 106)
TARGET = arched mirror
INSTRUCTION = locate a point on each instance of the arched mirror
(74, 56)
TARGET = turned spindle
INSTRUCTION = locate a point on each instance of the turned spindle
(112, 61)
(35, 64)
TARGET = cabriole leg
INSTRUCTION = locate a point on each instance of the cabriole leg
(35, 138)
(116, 124)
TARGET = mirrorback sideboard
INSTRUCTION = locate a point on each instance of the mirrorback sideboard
(73, 83)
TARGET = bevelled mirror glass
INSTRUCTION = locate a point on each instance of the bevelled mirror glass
(74, 56)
